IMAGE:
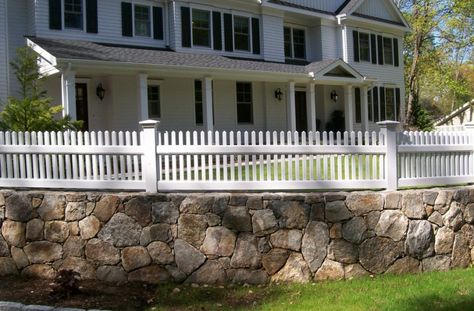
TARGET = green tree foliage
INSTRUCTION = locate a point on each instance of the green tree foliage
(32, 110)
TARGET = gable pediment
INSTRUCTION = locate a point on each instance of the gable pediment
(379, 9)
(339, 71)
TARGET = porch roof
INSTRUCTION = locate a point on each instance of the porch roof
(61, 51)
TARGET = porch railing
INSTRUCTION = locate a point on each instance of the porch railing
(171, 161)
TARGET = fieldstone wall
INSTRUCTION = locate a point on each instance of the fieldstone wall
(242, 238)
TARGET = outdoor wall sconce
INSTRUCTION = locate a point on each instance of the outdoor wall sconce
(334, 96)
(278, 94)
(100, 92)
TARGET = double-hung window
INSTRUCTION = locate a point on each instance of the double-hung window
(364, 47)
(154, 102)
(387, 51)
(73, 14)
(242, 33)
(390, 104)
(201, 26)
(244, 102)
(142, 20)
(295, 42)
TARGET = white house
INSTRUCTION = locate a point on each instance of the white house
(207, 64)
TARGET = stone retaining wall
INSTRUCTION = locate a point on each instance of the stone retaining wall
(241, 238)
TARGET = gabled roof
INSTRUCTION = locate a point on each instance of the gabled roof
(347, 6)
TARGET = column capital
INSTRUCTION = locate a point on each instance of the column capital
(149, 124)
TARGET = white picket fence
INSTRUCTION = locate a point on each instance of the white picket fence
(171, 161)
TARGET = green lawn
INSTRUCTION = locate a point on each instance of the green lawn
(452, 290)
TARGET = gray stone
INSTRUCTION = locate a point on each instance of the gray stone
(363, 203)
(135, 257)
(468, 232)
(197, 204)
(355, 230)
(213, 220)
(74, 247)
(252, 277)
(295, 270)
(237, 218)
(274, 260)
(75, 211)
(313, 198)
(52, 207)
(343, 252)
(211, 273)
(443, 201)
(139, 209)
(412, 205)
(106, 207)
(219, 242)
(255, 202)
(419, 238)
(317, 212)
(18, 207)
(337, 211)
(164, 212)
(238, 200)
(187, 258)
(377, 254)
(372, 219)
(469, 213)
(20, 258)
(14, 233)
(335, 196)
(38, 308)
(177, 275)
(444, 241)
(263, 245)
(287, 239)
(461, 257)
(246, 254)
(314, 244)
(4, 249)
(392, 224)
(330, 270)
(43, 252)
(335, 232)
(151, 275)
(192, 228)
(453, 218)
(102, 253)
(34, 230)
(354, 271)
(462, 196)
(90, 226)
(160, 253)
(39, 271)
(220, 204)
(159, 232)
(429, 197)
(436, 218)
(264, 222)
(11, 306)
(290, 214)
(56, 231)
(436, 263)
(76, 197)
(84, 268)
(405, 265)
(111, 274)
(121, 231)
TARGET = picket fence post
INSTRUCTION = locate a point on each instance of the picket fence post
(389, 129)
(469, 127)
(149, 164)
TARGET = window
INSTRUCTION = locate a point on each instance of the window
(201, 24)
(387, 51)
(154, 109)
(241, 33)
(244, 102)
(198, 102)
(73, 14)
(390, 104)
(142, 21)
(364, 46)
(295, 43)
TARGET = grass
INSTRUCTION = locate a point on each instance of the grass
(436, 291)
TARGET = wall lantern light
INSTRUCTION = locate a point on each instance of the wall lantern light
(278, 94)
(334, 96)
(100, 92)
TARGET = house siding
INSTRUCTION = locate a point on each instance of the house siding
(3, 51)
(378, 8)
(324, 5)
(273, 45)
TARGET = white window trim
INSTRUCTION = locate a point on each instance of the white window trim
(249, 18)
(150, 10)
(211, 28)
(370, 47)
(306, 46)
(384, 35)
(84, 18)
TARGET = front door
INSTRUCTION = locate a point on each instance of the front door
(81, 105)
(301, 118)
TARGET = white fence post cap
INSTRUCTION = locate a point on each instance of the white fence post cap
(469, 125)
(149, 123)
(388, 124)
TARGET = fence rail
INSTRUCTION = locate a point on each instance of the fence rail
(170, 161)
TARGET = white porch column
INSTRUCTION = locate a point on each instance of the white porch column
(291, 107)
(208, 113)
(364, 102)
(142, 96)
(68, 93)
(349, 107)
(311, 106)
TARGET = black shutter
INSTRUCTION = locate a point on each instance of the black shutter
(157, 23)
(185, 27)
(383, 117)
(395, 53)
(91, 16)
(398, 101)
(55, 14)
(380, 48)
(217, 30)
(355, 37)
(373, 46)
(127, 26)
(256, 35)
(228, 32)
(358, 108)
(376, 104)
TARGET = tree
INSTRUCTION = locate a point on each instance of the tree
(32, 111)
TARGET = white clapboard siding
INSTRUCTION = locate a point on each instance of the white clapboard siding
(83, 160)
(269, 160)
